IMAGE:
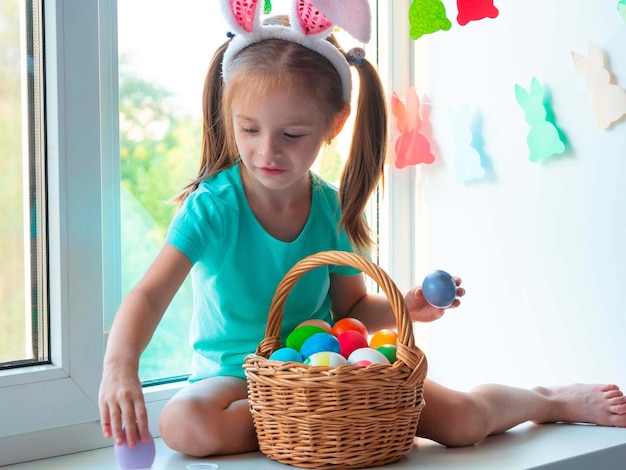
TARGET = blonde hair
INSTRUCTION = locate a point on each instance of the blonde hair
(274, 61)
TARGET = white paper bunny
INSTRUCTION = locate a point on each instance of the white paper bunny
(608, 100)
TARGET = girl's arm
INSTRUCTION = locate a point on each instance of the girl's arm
(121, 397)
(350, 299)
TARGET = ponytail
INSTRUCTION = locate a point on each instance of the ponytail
(366, 159)
(216, 153)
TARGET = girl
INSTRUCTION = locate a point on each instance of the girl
(255, 209)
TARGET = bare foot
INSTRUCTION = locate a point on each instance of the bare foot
(604, 405)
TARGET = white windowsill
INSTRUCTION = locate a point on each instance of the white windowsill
(527, 446)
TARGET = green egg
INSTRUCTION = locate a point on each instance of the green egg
(389, 351)
(300, 335)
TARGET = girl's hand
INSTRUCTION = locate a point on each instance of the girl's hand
(122, 404)
(420, 310)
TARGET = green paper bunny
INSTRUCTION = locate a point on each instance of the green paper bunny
(543, 138)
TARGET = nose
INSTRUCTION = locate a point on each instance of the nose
(269, 148)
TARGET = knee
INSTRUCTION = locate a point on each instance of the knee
(185, 427)
(468, 422)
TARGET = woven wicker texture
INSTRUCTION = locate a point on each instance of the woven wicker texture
(336, 417)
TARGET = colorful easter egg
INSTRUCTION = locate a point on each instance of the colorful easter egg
(349, 341)
(319, 342)
(140, 456)
(363, 363)
(297, 337)
(367, 354)
(389, 351)
(439, 289)
(326, 358)
(381, 337)
(286, 355)
(349, 323)
(316, 322)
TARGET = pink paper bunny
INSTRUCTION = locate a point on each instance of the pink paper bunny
(608, 100)
(412, 147)
(473, 10)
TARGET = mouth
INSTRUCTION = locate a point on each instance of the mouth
(272, 171)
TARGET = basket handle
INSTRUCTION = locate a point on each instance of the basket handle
(406, 342)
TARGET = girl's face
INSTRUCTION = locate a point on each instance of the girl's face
(278, 136)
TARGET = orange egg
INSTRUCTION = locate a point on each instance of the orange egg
(383, 337)
(348, 323)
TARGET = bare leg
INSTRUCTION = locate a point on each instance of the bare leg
(209, 417)
(604, 405)
(456, 418)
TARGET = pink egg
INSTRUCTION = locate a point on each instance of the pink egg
(349, 341)
(362, 363)
(368, 354)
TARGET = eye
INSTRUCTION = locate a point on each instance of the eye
(293, 136)
(249, 130)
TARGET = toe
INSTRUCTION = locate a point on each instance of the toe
(617, 407)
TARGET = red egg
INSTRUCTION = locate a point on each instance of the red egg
(349, 323)
(349, 341)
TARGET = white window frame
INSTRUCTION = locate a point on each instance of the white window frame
(52, 409)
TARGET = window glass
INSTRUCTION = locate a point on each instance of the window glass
(23, 306)
(164, 52)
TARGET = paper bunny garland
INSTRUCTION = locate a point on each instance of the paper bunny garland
(429, 16)
(474, 10)
(621, 9)
(543, 138)
(412, 146)
(608, 100)
(467, 159)
(311, 22)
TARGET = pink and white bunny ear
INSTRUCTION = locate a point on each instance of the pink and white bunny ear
(316, 18)
(353, 16)
(243, 16)
(310, 20)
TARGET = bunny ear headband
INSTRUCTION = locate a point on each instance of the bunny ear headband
(311, 22)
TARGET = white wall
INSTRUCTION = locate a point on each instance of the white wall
(540, 246)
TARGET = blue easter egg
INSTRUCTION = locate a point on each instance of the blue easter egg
(286, 355)
(439, 289)
(319, 342)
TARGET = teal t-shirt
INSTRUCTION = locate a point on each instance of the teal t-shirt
(237, 266)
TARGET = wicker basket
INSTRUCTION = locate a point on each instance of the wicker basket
(336, 417)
